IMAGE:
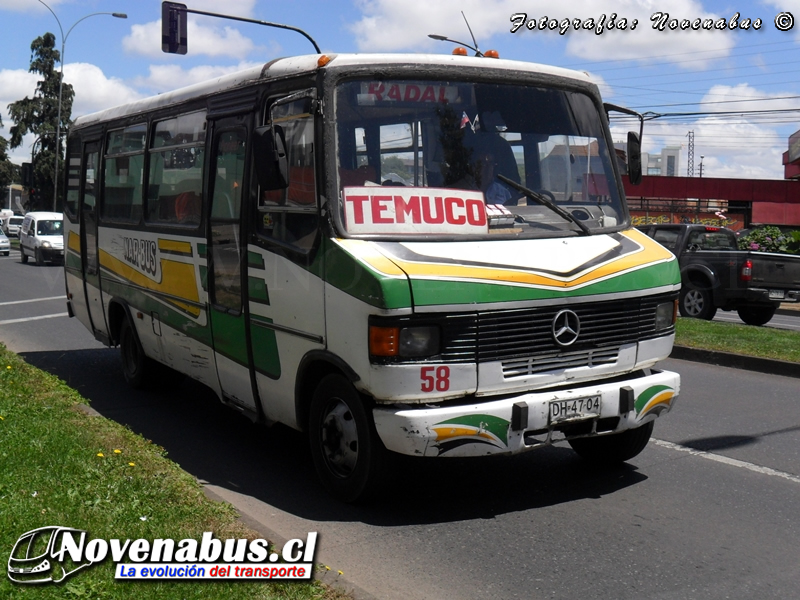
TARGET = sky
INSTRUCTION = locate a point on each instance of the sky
(737, 89)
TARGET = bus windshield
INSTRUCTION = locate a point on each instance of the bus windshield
(455, 158)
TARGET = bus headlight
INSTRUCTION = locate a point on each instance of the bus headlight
(419, 341)
(666, 314)
(405, 342)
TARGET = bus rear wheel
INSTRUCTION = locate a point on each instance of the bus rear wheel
(345, 447)
(615, 448)
(134, 360)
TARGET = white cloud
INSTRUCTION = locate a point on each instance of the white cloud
(205, 37)
(387, 25)
(14, 85)
(744, 97)
(94, 91)
(783, 6)
(27, 5)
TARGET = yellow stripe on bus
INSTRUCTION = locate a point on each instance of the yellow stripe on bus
(74, 242)
(175, 246)
(177, 279)
(648, 253)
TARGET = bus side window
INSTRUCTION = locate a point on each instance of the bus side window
(124, 166)
(290, 215)
(174, 191)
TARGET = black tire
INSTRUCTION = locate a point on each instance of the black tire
(756, 315)
(696, 302)
(614, 448)
(347, 452)
(38, 257)
(135, 365)
(23, 256)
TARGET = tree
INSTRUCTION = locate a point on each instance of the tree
(38, 115)
(8, 171)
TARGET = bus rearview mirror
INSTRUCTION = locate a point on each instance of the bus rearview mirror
(634, 158)
(271, 161)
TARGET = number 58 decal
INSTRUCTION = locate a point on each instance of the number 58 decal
(434, 378)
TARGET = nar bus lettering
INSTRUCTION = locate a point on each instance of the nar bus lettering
(141, 254)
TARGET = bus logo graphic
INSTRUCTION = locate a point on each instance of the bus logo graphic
(38, 556)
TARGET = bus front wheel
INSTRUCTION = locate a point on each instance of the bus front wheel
(345, 447)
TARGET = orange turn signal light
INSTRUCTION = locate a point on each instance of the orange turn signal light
(323, 60)
(384, 341)
(460, 51)
(491, 54)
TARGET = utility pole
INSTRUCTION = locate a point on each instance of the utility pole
(701, 166)
(690, 162)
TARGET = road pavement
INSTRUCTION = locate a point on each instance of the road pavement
(708, 510)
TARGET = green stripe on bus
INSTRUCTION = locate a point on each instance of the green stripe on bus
(345, 272)
(433, 292)
(257, 290)
(255, 260)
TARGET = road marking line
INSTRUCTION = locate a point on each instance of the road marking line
(9, 321)
(728, 461)
(32, 300)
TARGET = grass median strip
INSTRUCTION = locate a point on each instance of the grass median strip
(763, 342)
(60, 466)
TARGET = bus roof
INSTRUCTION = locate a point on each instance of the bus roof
(297, 65)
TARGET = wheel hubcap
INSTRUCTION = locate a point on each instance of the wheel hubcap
(340, 439)
(693, 302)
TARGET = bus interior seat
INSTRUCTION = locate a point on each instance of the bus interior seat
(358, 177)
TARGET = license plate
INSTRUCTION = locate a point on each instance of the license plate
(776, 294)
(574, 408)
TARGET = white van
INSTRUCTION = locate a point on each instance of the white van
(41, 237)
(12, 225)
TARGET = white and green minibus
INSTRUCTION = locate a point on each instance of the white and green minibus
(426, 255)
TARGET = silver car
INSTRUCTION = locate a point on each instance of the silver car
(5, 244)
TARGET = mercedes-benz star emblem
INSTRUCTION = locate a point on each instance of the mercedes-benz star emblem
(566, 327)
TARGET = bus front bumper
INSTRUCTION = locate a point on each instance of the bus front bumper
(526, 421)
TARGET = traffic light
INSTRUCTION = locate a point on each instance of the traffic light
(173, 28)
(26, 173)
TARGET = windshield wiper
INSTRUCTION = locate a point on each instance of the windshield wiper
(545, 201)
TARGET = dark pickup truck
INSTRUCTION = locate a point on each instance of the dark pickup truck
(715, 274)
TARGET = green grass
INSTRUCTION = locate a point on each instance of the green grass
(60, 466)
(764, 342)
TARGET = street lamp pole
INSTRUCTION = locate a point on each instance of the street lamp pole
(61, 87)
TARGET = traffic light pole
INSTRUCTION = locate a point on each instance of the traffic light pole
(173, 26)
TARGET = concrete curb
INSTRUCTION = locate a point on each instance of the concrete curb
(737, 361)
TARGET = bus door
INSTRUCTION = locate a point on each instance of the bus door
(286, 290)
(88, 234)
(226, 250)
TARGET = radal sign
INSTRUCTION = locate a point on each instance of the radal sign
(51, 554)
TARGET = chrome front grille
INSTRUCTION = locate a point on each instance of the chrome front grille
(522, 339)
